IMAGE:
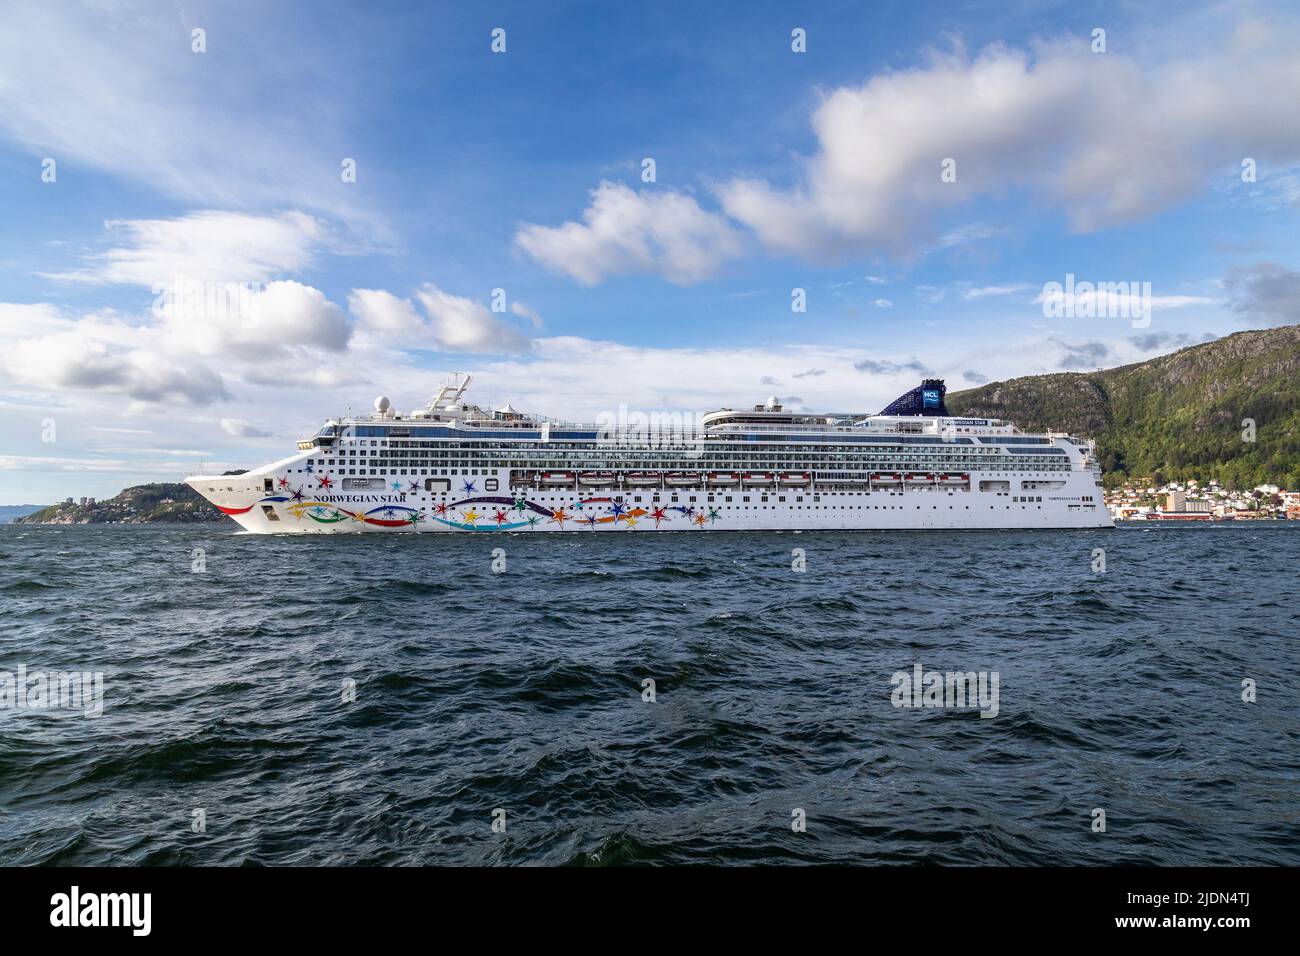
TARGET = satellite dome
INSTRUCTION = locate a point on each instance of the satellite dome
(382, 404)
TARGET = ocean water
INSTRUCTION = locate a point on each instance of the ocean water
(518, 696)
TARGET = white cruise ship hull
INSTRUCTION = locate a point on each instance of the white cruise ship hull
(299, 508)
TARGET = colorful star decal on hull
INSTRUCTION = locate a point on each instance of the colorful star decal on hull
(658, 515)
(415, 487)
(296, 494)
(471, 516)
(468, 487)
(700, 521)
(590, 521)
(559, 517)
(415, 518)
(440, 509)
(500, 516)
(284, 482)
(396, 486)
(325, 481)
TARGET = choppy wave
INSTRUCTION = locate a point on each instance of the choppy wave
(382, 699)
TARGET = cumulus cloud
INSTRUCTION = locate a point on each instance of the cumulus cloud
(623, 231)
(1264, 292)
(974, 377)
(65, 361)
(1106, 138)
(436, 320)
(285, 321)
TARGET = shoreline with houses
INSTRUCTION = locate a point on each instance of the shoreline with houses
(1192, 500)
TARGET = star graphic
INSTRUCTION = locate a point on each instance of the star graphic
(296, 495)
(471, 516)
(325, 481)
(284, 482)
(358, 516)
(468, 487)
(396, 486)
(521, 504)
(501, 517)
(414, 518)
(415, 486)
(440, 509)
(532, 520)
(590, 521)
(337, 514)
(559, 517)
(297, 511)
(713, 514)
(388, 512)
(318, 510)
(630, 521)
(658, 515)
(689, 510)
(701, 521)
(617, 509)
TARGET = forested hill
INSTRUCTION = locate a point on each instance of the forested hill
(1178, 415)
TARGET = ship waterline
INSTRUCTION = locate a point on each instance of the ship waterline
(455, 467)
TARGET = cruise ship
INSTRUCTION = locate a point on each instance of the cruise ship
(453, 466)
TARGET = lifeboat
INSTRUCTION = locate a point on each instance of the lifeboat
(642, 478)
(597, 478)
(920, 478)
(557, 477)
(682, 479)
(723, 478)
(795, 479)
(757, 478)
(886, 478)
(953, 479)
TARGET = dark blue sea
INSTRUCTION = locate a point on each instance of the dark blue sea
(517, 697)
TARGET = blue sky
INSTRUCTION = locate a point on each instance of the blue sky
(522, 171)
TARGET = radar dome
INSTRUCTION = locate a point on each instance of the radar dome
(382, 404)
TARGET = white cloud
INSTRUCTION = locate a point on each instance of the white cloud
(206, 246)
(1106, 137)
(623, 231)
(282, 321)
(69, 360)
(883, 304)
(442, 322)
